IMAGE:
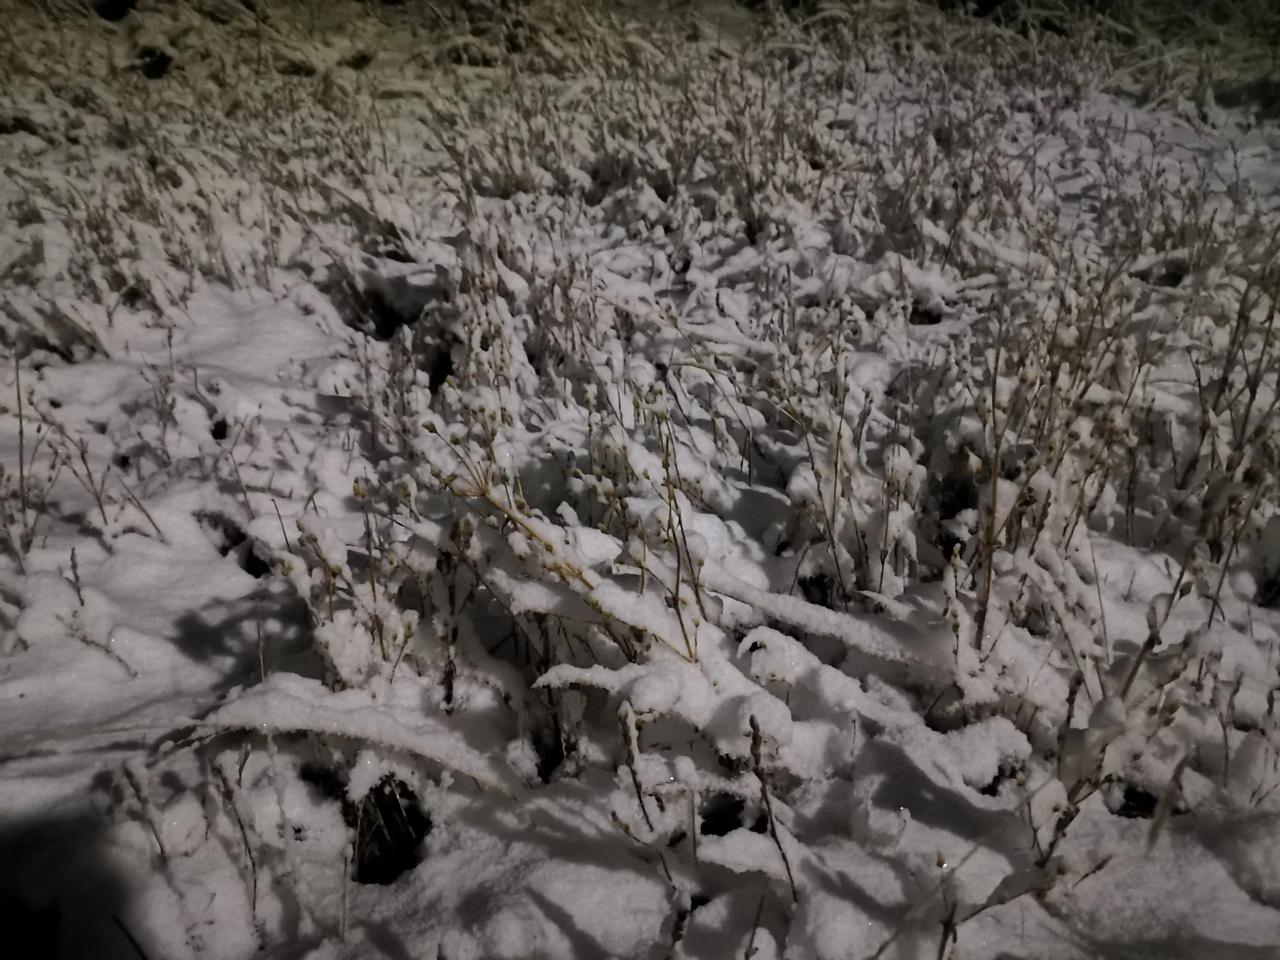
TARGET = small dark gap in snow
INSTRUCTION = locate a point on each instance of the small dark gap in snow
(1268, 595)
(16, 123)
(389, 824)
(1167, 273)
(227, 531)
(114, 10)
(720, 813)
(924, 316)
(1005, 773)
(1172, 275)
(393, 249)
(153, 63)
(1133, 803)
(549, 745)
(356, 61)
(380, 307)
(252, 564)
(229, 538)
(439, 369)
(386, 320)
(819, 589)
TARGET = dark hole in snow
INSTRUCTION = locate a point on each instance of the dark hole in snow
(549, 746)
(720, 813)
(55, 403)
(357, 61)
(924, 316)
(114, 10)
(410, 595)
(601, 180)
(383, 306)
(1268, 595)
(760, 824)
(219, 429)
(121, 461)
(947, 543)
(229, 538)
(385, 319)
(18, 124)
(326, 780)
(153, 63)
(131, 296)
(227, 533)
(389, 824)
(1171, 273)
(819, 589)
(439, 369)
(1005, 773)
(698, 900)
(677, 838)
(394, 250)
(1134, 803)
(956, 493)
(254, 565)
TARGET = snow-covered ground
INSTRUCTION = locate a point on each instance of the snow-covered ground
(581, 490)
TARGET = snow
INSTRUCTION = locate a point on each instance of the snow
(678, 497)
